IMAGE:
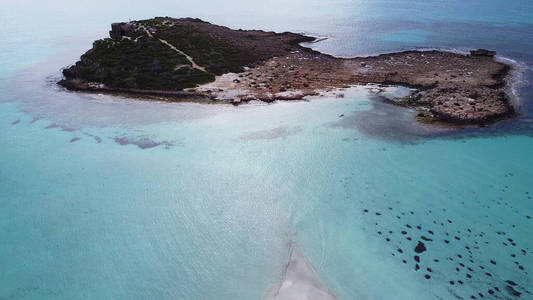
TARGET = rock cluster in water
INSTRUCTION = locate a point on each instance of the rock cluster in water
(475, 263)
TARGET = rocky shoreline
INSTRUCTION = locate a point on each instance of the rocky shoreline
(192, 59)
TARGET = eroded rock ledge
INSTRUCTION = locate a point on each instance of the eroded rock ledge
(183, 58)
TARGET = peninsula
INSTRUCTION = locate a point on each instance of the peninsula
(189, 58)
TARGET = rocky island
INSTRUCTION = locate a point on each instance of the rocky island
(189, 58)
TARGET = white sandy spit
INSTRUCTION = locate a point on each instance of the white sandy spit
(300, 282)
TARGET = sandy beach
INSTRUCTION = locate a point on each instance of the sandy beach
(300, 282)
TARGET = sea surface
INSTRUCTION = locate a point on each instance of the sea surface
(105, 197)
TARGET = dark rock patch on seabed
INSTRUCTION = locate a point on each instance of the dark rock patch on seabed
(389, 122)
(462, 252)
(420, 247)
(61, 127)
(141, 142)
(392, 123)
(278, 132)
(96, 138)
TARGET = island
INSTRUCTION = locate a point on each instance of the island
(189, 58)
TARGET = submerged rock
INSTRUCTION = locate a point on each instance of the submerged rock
(420, 247)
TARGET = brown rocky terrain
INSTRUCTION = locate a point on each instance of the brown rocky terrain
(176, 58)
(453, 87)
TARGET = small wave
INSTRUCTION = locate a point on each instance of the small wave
(518, 78)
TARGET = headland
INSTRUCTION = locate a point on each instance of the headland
(191, 59)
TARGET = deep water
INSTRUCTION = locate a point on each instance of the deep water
(105, 197)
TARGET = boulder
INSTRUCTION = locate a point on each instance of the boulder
(483, 52)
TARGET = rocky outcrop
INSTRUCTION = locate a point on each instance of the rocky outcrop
(119, 30)
(483, 52)
(463, 105)
(451, 87)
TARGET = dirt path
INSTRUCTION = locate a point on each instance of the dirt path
(145, 30)
(194, 65)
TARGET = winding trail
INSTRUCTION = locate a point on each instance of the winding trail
(145, 30)
(194, 65)
(190, 59)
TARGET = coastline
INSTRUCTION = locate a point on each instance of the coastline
(451, 87)
(515, 74)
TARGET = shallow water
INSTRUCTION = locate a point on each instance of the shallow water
(105, 197)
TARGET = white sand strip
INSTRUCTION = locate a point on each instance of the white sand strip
(300, 282)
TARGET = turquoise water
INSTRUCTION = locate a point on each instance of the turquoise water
(105, 197)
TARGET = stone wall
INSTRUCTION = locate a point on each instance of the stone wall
(118, 30)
